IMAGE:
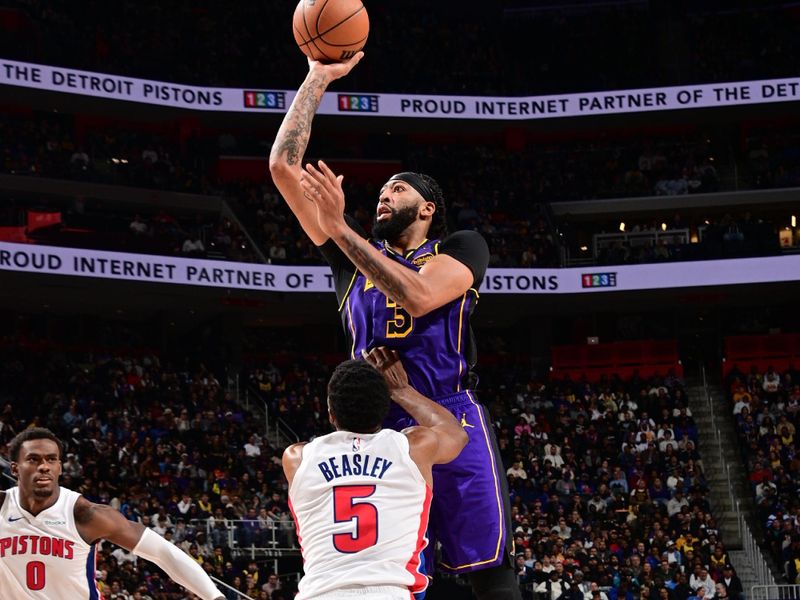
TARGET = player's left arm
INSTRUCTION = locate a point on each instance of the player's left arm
(292, 457)
(99, 521)
(444, 278)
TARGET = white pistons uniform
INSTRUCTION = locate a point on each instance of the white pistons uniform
(44, 556)
(361, 509)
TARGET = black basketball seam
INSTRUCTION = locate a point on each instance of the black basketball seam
(302, 37)
(308, 31)
(347, 18)
(322, 53)
(319, 35)
(305, 42)
(319, 16)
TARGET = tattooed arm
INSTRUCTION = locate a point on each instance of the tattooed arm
(292, 139)
(444, 278)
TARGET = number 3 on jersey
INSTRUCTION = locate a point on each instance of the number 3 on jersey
(401, 324)
(365, 515)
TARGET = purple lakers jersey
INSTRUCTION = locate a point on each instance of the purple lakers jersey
(434, 348)
(437, 349)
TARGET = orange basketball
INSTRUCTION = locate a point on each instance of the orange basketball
(330, 30)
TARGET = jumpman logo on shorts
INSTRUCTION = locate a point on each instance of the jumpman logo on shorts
(464, 421)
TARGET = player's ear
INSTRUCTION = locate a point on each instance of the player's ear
(427, 209)
(331, 418)
(14, 469)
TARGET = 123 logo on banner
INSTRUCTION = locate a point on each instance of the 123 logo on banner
(358, 103)
(264, 99)
(599, 280)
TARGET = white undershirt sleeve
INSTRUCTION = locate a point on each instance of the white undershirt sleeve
(181, 567)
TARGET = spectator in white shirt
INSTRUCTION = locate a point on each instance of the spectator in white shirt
(667, 441)
(676, 503)
(185, 504)
(251, 448)
(517, 471)
(702, 579)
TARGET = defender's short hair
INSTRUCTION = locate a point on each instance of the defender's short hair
(359, 397)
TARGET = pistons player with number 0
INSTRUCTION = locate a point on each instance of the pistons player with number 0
(48, 534)
(361, 495)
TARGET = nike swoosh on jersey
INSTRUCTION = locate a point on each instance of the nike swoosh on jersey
(10, 520)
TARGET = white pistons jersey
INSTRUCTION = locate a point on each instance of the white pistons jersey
(44, 556)
(361, 509)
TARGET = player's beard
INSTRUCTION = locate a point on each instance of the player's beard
(44, 492)
(392, 228)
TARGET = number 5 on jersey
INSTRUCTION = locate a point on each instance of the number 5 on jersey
(401, 323)
(365, 514)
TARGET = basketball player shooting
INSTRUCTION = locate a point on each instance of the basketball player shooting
(361, 495)
(411, 288)
(48, 534)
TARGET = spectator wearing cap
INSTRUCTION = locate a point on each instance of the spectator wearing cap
(525, 575)
(732, 583)
(674, 556)
(676, 504)
(72, 466)
(552, 587)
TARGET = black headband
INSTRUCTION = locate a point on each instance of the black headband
(417, 182)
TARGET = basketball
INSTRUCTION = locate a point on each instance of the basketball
(330, 30)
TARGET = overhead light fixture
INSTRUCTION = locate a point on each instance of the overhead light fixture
(622, 226)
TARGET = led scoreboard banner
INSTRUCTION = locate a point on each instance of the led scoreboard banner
(78, 262)
(191, 97)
